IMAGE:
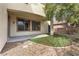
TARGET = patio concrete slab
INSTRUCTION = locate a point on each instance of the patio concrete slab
(21, 38)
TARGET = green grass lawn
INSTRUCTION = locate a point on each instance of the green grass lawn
(55, 40)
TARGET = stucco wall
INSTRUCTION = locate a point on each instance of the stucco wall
(4, 21)
(38, 9)
(31, 7)
(13, 27)
(19, 7)
(3, 25)
(44, 25)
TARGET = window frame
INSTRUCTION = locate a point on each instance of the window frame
(32, 25)
(24, 19)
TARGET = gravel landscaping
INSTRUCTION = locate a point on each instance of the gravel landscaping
(29, 48)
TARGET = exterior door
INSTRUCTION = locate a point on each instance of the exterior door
(48, 29)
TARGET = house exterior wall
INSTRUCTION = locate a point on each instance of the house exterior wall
(20, 7)
(31, 8)
(59, 26)
(3, 25)
(13, 27)
(38, 9)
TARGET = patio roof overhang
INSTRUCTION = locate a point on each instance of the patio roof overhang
(27, 15)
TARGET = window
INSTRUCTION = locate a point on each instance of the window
(35, 26)
(23, 24)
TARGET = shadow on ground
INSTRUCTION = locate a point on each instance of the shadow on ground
(11, 45)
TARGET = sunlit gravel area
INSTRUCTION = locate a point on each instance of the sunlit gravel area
(29, 48)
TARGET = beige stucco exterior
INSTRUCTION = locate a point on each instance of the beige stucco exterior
(29, 11)
(3, 25)
(37, 8)
(13, 27)
(34, 8)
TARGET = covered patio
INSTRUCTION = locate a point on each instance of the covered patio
(20, 38)
(26, 37)
(19, 33)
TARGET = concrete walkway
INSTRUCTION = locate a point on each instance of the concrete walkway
(21, 38)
